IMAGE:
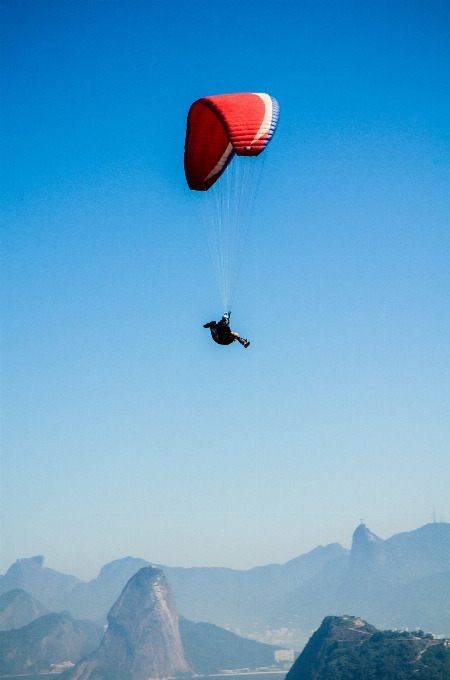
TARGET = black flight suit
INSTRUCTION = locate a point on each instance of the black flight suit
(220, 332)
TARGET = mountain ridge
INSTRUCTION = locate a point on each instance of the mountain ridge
(49, 639)
(282, 603)
(208, 649)
(18, 608)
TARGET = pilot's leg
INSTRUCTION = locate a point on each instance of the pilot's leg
(235, 336)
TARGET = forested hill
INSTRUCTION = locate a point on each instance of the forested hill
(210, 649)
(50, 639)
(18, 609)
(347, 648)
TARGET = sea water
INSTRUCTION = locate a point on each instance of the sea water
(268, 675)
(251, 675)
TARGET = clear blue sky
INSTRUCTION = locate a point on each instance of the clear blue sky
(125, 429)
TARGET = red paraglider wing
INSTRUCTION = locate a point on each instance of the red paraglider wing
(220, 126)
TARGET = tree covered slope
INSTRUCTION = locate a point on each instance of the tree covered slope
(210, 649)
(347, 648)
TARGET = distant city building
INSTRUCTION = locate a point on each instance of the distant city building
(60, 667)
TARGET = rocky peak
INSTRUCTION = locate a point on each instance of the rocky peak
(46, 585)
(37, 560)
(142, 641)
(367, 551)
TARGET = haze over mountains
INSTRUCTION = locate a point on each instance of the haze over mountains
(49, 639)
(144, 639)
(18, 608)
(403, 581)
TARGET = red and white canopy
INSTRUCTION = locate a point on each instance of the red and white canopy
(222, 125)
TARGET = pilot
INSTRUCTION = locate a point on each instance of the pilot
(222, 333)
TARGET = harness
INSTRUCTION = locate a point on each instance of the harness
(221, 333)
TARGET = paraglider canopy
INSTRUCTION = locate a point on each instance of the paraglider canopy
(225, 135)
(221, 126)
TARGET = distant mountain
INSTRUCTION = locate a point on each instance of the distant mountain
(398, 582)
(46, 585)
(142, 640)
(403, 558)
(401, 582)
(406, 583)
(50, 639)
(94, 599)
(59, 592)
(210, 649)
(227, 597)
(17, 609)
(347, 648)
(238, 600)
(56, 639)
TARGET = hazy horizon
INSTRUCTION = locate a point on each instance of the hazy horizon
(125, 429)
(186, 566)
